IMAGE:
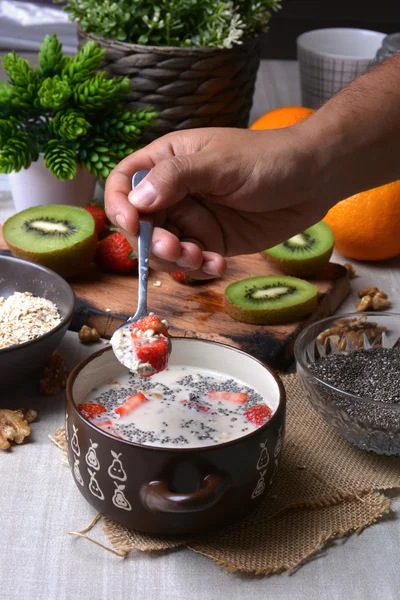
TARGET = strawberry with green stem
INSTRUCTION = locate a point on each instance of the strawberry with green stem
(114, 254)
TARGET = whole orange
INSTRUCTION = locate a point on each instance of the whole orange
(367, 226)
(282, 117)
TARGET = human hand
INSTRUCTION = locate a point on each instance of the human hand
(215, 193)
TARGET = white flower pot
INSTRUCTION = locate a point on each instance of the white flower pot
(37, 186)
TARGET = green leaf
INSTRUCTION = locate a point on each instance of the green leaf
(6, 107)
(51, 58)
(99, 91)
(8, 129)
(54, 93)
(125, 125)
(18, 152)
(84, 64)
(24, 80)
(5, 92)
(70, 124)
(60, 160)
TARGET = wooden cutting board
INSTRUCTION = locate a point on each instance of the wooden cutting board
(104, 301)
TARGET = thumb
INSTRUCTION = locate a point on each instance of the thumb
(171, 180)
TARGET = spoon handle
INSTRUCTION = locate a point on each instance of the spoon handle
(144, 246)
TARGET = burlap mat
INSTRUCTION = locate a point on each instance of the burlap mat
(325, 489)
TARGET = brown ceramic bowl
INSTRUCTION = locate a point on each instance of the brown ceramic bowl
(18, 362)
(167, 490)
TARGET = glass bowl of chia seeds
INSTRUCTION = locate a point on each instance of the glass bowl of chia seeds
(349, 367)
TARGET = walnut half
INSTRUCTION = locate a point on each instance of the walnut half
(88, 335)
(353, 330)
(14, 426)
(372, 298)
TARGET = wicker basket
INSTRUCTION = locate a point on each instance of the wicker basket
(189, 87)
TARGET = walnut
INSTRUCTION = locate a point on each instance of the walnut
(372, 298)
(353, 330)
(324, 335)
(28, 414)
(364, 304)
(371, 291)
(14, 426)
(55, 376)
(380, 301)
(350, 270)
(88, 335)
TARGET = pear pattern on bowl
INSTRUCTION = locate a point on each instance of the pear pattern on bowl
(264, 457)
(94, 487)
(116, 470)
(66, 428)
(77, 472)
(91, 456)
(119, 498)
(74, 441)
(260, 487)
(261, 466)
(277, 451)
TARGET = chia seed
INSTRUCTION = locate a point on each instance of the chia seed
(112, 397)
(370, 418)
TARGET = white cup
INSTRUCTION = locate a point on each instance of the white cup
(330, 58)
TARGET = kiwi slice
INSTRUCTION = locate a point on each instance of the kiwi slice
(304, 254)
(270, 299)
(62, 238)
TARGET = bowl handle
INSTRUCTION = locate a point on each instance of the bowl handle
(157, 497)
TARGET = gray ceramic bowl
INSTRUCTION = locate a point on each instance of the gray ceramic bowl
(17, 362)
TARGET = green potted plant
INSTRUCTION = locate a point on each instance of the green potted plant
(195, 61)
(63, 124)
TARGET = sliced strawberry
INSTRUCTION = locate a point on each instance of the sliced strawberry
(236, 397)
(154, 351)
(186, 279)
(130, 404)
(258, 415)
(150, 322)
(183, 278)
(90, 410)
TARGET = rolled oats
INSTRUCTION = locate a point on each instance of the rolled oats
(24, 317)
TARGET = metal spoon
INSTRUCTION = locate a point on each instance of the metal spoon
(144, 246)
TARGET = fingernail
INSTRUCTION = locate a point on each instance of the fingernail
(209, 268)
(185, 260)
(144, 195)
(159, 249)
(121, 221)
